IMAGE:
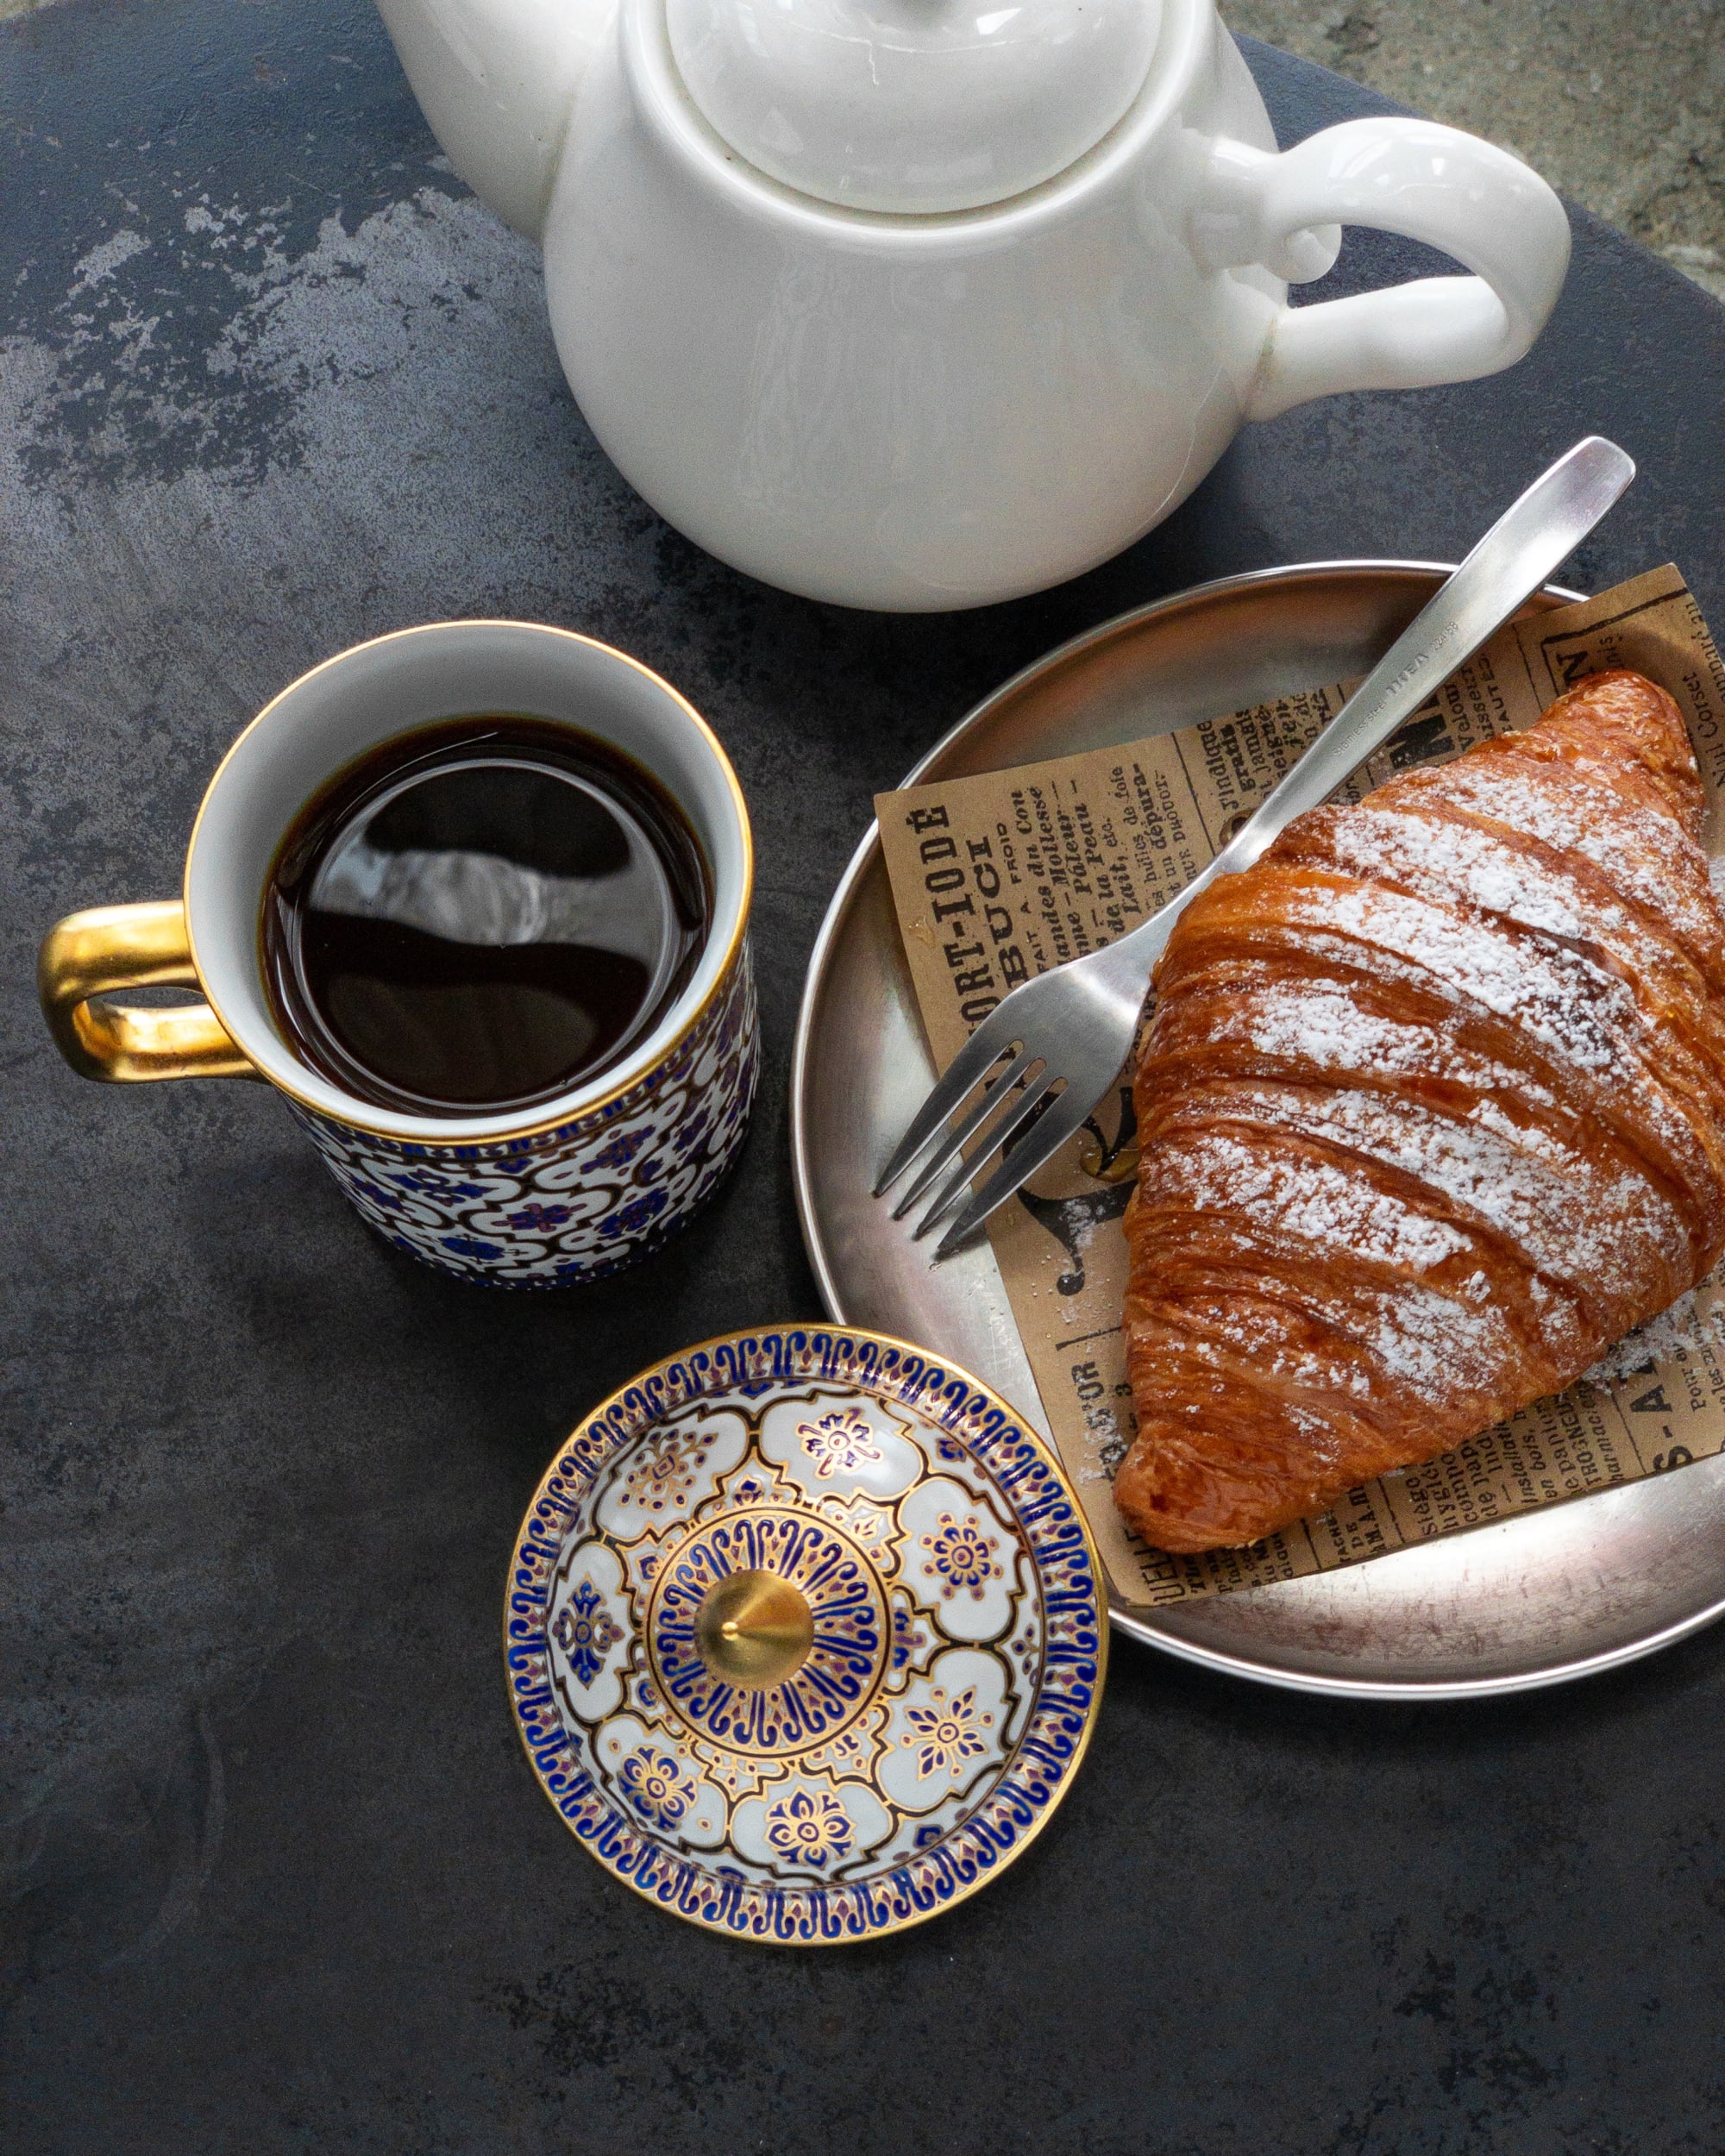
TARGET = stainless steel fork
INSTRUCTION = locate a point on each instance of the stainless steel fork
(1066, 1033)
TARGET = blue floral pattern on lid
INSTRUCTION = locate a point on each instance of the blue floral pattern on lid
(956, 1635)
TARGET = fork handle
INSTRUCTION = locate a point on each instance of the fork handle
(1527, 543)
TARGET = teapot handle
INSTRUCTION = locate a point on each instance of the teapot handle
(1425, 181)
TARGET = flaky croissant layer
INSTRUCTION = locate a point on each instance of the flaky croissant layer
(1432, 1112)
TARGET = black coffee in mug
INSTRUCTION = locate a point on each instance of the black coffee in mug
(480, 915)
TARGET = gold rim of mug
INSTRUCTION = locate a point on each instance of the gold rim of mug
(575, 1106)
(1044, 1449)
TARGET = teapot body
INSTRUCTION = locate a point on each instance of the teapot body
(914, 409)
(906, 413)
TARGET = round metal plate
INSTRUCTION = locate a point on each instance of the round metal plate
(1525, 1603)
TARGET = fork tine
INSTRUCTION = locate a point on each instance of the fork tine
(960, 1177)
(1034, 1096)
(1066, 1116)
(992, 1039)
(957, 1139)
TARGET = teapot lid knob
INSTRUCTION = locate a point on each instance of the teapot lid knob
(913, 106)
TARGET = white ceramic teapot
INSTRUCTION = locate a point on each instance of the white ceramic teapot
(922, 303)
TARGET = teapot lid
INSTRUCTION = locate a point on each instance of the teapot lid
(913, 106)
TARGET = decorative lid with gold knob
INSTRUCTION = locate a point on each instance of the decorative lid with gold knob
(806, 1634)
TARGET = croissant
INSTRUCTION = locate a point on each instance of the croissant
(1433, 1113)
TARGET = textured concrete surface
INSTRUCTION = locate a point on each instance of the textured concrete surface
(1621, 104)
(277, 1879)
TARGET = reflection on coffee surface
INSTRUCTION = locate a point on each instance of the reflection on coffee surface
(481, 915)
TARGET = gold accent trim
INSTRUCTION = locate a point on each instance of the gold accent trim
(754, 1630)
(88, 956)
(1104, 1629)
(574, 1108)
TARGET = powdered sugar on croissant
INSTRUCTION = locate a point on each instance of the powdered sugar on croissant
(1432, 1112)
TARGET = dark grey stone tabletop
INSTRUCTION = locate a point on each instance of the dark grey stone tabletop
(279, 1877)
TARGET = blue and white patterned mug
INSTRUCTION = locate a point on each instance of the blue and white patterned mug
(533, 1198)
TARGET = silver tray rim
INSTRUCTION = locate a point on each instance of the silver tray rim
(1132, 1622)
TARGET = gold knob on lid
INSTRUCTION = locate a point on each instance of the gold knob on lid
(754, 1629)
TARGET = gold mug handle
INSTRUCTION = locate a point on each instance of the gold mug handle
(89, 956)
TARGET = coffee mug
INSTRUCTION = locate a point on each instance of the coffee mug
(565, 1191)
